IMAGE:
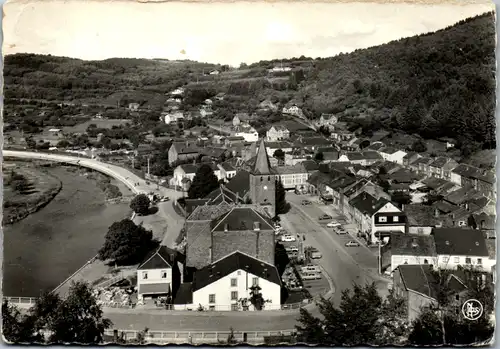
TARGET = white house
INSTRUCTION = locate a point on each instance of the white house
(277, 133)
(214, 72)
(226, 283)
(133, 106)
(293, 177)
(246, 131)
(204, 112)
(292, 110)
(280, 69)
(327, 120)
(172, 117)
(188, 171)
(271, 147)
(462, 247)
(178, 91)
(392, 154)
(386, 220)
(411, 249)
(158, 275)
(227, 171)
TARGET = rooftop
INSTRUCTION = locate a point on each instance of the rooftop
(241, 218)
(161, 258)
(412, 245)
(460, 242)
(421, 215)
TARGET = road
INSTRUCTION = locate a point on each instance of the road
(344, 265)
(131, 180)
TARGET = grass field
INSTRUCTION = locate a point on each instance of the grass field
(101, 123)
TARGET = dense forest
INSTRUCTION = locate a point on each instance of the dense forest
(436, 85)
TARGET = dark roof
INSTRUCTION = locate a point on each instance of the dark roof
(240, 183)
(434, 183)
(213, 152)
(189, 168)
(461, 195)
(184, 294)
(227, 166)
(367, 204)
(388, 150)
(460, 242)
(161, 258)
(444, 206)
(315, 141)
(184, 148)
(439, 162)
(331, 155)
(371, 155)
(310, 165)
(376, 146)
(222, 194)
(279, 145)
(412, 245)
(209, 212)
(231, 263)
(191, 204)
(352, 189)
(421, 215)
(468, 171)
(422, 160)
(379, 135)
(262, 164)
(241, 218)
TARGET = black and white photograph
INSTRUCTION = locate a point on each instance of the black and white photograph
(249, 173)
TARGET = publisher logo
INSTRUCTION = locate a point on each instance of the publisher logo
(472, 309)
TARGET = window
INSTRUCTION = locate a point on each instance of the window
(395, 219)
(239, 272)
(405, 261)
(426, 261)
(211, 308)
(468, 260)
(457, 297)
(382, 219)
(255, 282)
(234, 295)
(480, 261)
(234, 282)
(144, 275)
(461, 224)
(163, 274)
(446, 259)
(211, 298)
(456, 259)
(234, 307)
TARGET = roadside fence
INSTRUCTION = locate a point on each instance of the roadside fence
(21, 300)
(197, 337)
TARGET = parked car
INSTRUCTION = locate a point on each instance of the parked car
(316, 255)
(311, 276)
(333, 224)
(352, 243)
(291, 249)
(306, 202)
(163, 199)
(341, 232)
(288, 238)
(325, 217)
(311, 268)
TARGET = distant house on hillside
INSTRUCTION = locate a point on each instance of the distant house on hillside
(327, 120)
(182, 151)
(178, 91)
(277, 133)
(292, 110)
(133, 106)
(172, 117)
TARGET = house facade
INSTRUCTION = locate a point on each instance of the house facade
(293, 177)
(393, 155)
(277, 133)
(183, 151)
(227, 284)
(386, 220)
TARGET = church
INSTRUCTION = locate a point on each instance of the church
(232, 228)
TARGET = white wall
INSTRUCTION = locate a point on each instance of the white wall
(397, 260)
(154, 277)
(249, 137)
(293, 180)
(454, 261)
(456, 178)
(222, 290)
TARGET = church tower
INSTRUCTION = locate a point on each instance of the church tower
(263, 181)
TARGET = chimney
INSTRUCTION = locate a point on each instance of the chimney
(436, 212)
(414, 243)
(256, 225)
(226, 227)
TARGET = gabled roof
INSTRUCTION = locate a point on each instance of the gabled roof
(412, 245)
(209, 212)
(184, 148)
(227, 166)
(367, 204)
(461, 195)
(231, 263)
(240, 183)
(460, 242)
(241, 218)
(291, 169)
(279, 128)
(440, 162)
(161, 258)
(310, 165)
(422, 160)
(222, 194)
(419, 215)
(262, 164)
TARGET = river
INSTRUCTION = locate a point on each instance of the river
(46, 247)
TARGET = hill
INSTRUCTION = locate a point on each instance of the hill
(439, 84)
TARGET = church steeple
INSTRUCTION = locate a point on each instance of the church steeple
(262, 164)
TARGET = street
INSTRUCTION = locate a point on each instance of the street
(345, 265)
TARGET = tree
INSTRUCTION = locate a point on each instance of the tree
(78, 318)
(140, 204)
(279, 154)
(427, 330)
(204, 182)
(17, 328)
(126, 243)
(362, 318)
(282, 206)
(281, 258)
(419, 146)
(401, 198)
(256, 297)
(319, 156)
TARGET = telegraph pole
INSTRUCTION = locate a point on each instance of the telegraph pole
(148, 166)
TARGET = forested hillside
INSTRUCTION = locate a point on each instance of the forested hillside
(438, 84)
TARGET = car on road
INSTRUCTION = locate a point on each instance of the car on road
(164, 199)
(325, 217)
(306, 202)
(333, 224)
(341, 232)
(352, 243)
(316, 255)
(288, 238)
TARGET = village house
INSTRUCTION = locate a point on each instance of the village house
(422, 219)
(392, 154)
(241, 119)
(348, 188)
(376, 146)
(280, 69)
(246, 131)
(363, 208)
(292, 110)
(232, 141)
(386, 219)
(409, 158)
(418, 286)
(226, 284)
(160, 274)
(227, 171)
(441, 167)
(312, 144)
(220, 96)
(178, 91)
(403, 249)
(379, 136)
(188, 171)
(268, 105)
(461, 247)
(277, 133)
(479, 179)
(133, 106)
(182, 151)
(213, 154)
(340, 134)
(365, 158)
(327, 120)
(271, 147)
(293, 177)
(172, 117)
(421, 165)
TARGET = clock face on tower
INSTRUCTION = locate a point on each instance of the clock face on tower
(265, 187)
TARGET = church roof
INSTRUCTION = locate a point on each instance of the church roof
(262, 164)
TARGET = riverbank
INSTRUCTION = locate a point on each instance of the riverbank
(47, 246)
(40, 187)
